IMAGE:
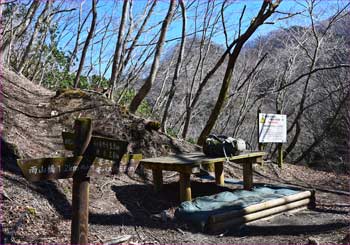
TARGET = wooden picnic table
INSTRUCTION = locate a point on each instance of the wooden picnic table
(185, 164)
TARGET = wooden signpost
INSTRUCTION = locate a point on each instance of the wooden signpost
(86, 148)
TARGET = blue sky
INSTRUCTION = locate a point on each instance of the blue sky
(323, 10)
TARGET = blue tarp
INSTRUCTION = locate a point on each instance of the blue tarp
(200, 209)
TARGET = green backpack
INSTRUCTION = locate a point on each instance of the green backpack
(223, 146)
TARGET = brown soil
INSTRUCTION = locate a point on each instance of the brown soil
(33, 119)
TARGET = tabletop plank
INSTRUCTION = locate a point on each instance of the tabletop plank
(197, 158)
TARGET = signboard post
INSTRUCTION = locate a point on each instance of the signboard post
(280, 145)
(81, 182)
(86, 148)
(273, 129)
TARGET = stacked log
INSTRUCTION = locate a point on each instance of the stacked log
(222, 221)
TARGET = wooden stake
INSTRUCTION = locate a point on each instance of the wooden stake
(280, 155)
(280, 150)
(248, 175)
(260, 146)
(219, 173)
(80, 196)
(80, 211)
(185, 187)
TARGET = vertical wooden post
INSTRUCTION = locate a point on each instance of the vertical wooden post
(80, 211)
(312, 203)
(280, 155)
(219, 173)
(185, 187)
(80, 196)
(280, 150)
(260, 145)
(248, 175)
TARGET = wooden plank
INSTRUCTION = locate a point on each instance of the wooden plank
(243, 156)
(219, 173)
(185, 187)
(64, 167)
(168, 167)
(197, 158)
(176, 159)
(49, 168)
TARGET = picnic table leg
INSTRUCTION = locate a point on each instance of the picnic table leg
(157, 179)
(248, 175)
(219, 173)
(185, 187)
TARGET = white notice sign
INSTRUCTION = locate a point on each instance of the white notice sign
(272, 128)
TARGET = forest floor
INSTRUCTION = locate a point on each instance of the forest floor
(125, 208)
(121, 205)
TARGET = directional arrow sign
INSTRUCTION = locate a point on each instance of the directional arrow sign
(110, 149)
(103, 147)
(49, 168)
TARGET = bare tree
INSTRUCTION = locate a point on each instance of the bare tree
(177, 68)
(155, 65)
(118, 48)
(81, 24)
(266, 10)
(18, 31)
(313, 55)
(42, 19)
(87, 42)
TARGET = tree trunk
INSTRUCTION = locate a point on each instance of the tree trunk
(265, 12)
(87, 43)
(42, 18)
(79, 30)
(135, 103)
(139, 32)
(23, 26)
(118, 49)
(177, 68)
(203, 83)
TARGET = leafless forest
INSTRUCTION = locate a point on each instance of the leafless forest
(198, 66)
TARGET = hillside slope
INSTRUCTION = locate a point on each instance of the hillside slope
(33, 119)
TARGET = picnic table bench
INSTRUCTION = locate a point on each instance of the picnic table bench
(185, 164)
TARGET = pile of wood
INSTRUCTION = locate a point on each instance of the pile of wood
(222, 221)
